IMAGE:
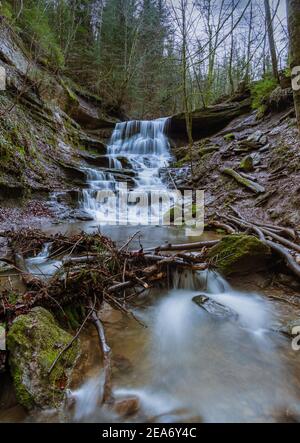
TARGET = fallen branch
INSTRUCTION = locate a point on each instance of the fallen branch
(107, 396)
(68, 345)
(184, 246)
(288, 258)
(28, 279)
(220, 225)
(249, 184)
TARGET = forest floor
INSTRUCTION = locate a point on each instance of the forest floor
(265, 152)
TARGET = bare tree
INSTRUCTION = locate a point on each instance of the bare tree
(293, 7)
(272, 44)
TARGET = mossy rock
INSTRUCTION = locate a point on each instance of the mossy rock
(247, 164)
(240, 254)
(229, 137)
(34, 341)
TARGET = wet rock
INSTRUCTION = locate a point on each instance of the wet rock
(255, 141)
(281, 98)
(34, 341)
(127, 407)
(81, 215)
(92, 143)
(208, 121)
(249, 162)
(240, 254)
(289, 280)
(103, 161)
(265, 148)
(291, 329)
(70, 197)
(258, 137)
(87, 114)
(10, 53)
(121, 363)
(229, 137)
(4, 267)
(74, 172)
(214, 308)
(107, 314)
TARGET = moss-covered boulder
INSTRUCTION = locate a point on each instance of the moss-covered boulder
(240, 254)
(247, 164)
(34, 341)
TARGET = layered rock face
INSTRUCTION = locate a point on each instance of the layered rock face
(45, 121)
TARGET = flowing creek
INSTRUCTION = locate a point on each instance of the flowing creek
(187, 365)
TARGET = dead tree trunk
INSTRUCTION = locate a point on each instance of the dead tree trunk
(271, 39)
(294, 27)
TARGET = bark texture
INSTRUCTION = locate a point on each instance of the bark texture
(293, 7)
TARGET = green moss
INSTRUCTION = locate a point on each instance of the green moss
(23, 396)
(182, 161)
(208, 150)
(261, 91)
(6, 10)
(34, 341)
(238, 254)
(229, 137)
(247, 164)
(13, 297)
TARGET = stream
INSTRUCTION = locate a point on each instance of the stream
(188, 364)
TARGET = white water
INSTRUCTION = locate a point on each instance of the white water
(188, 364)
(41, 265)
(145, 146)
(193, 365)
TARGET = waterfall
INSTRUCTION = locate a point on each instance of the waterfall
(145, 147)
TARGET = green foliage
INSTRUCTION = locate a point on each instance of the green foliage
(261, 91)
(36, 24)
(6, 10)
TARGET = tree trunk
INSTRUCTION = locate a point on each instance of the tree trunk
(271, 39)
(294, 27)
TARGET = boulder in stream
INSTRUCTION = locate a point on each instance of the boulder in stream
(214, 308)
(240, 254)
(127, 406)
(34, 341)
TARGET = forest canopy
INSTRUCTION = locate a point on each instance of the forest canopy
(156, 57)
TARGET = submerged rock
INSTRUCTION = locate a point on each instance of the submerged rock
(240, 254)
(34, 341)
(291, 329)
(214, 308)
(127, 407)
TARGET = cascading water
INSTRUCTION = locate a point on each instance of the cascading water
(192, 365)
(145, 147)
(189, 364)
